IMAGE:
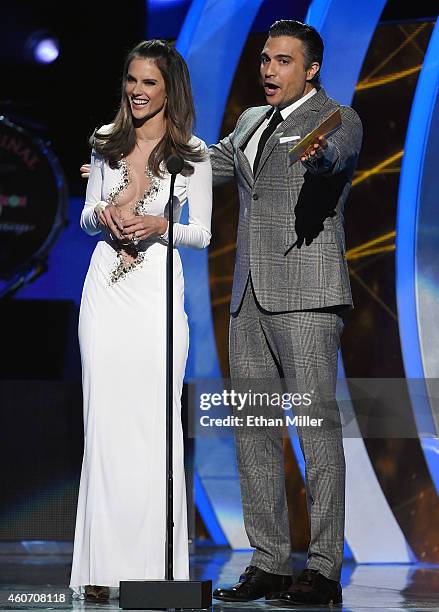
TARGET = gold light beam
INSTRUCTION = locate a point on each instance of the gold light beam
(377, 169)
(412, 41)
(368, 252)
(372, 293)
(372, 243)
(395, 51)
(388, 78)
(225, 249)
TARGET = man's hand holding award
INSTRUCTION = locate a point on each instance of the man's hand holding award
(313, 144)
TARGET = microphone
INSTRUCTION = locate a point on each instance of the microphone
(174, 164)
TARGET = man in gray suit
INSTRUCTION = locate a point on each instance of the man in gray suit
(290, 288)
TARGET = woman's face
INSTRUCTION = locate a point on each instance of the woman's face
(145, 88)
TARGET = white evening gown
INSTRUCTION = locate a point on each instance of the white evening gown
(121, 518)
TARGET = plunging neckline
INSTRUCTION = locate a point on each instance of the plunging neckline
(130, 256)
(140, 207)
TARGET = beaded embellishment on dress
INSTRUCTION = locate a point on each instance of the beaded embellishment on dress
(123, 266)
(141, 208)
(137, 256)
(123, 184)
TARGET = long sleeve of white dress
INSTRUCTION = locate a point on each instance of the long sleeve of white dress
(89, 219)
(197, 232)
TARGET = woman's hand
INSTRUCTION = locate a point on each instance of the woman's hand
(109, 217)
(85, 171)
(144, 226)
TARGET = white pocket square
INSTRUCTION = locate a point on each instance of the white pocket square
(288, 139)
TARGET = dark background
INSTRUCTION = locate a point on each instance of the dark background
(67, 99)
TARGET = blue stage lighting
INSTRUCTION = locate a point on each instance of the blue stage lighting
(46, 51)
(42, 47)
(162, 2)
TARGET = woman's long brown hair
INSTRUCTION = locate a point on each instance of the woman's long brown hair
(179, 113)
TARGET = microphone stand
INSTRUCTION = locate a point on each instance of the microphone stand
(169, 552)
(168, 593)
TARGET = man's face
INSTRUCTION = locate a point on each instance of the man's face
(283, 73)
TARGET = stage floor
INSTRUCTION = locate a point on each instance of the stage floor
(32, 567)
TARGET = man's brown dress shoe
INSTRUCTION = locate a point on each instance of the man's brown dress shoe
(254, 583)
(310, 589)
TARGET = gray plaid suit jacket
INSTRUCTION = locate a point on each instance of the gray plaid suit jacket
(291, 226)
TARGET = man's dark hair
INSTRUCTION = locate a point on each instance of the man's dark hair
(311, 40)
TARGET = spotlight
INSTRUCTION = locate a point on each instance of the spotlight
(46, 51)
(42, 47)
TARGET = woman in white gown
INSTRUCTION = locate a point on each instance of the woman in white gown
(121, 519)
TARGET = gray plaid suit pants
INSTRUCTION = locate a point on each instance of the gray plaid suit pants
(301, 346)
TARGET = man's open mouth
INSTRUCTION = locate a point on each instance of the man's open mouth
(270, 88)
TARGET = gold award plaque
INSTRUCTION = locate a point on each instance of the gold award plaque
(326, 128)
